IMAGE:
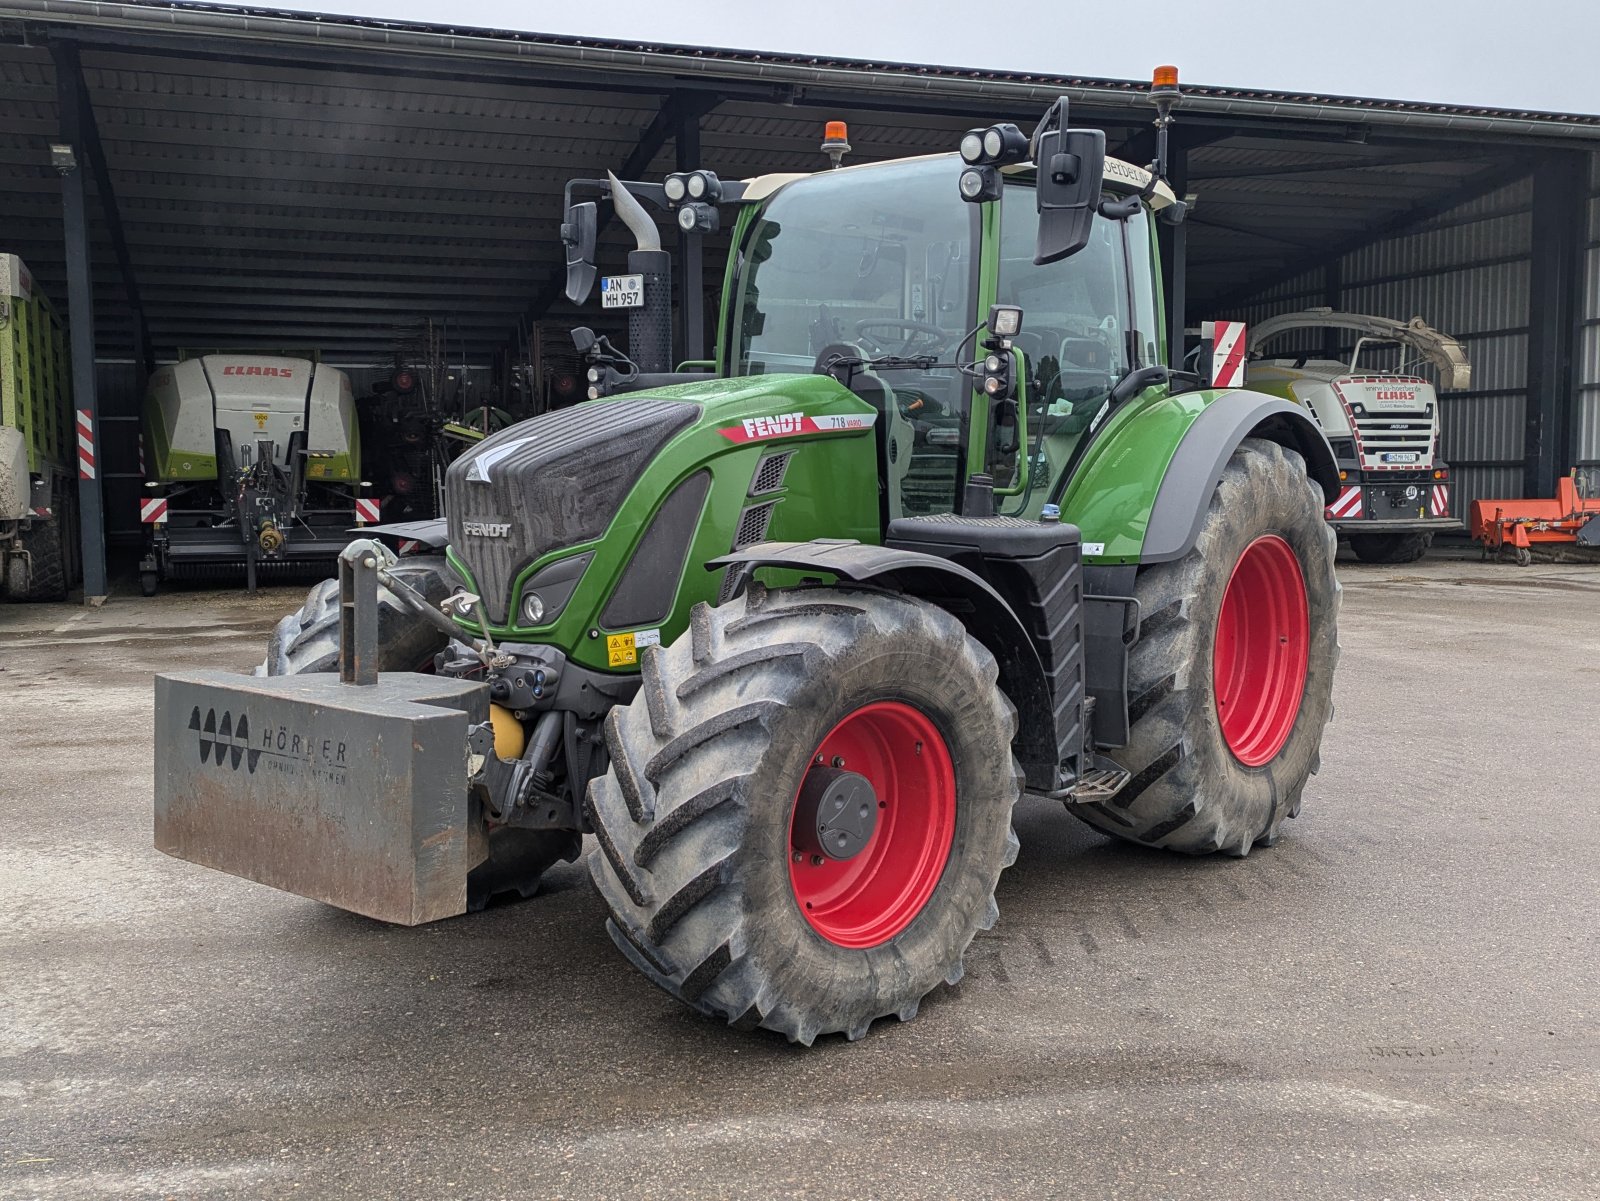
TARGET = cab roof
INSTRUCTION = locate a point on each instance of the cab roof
(1117, 174)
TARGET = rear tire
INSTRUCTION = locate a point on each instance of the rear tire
(1390, 548)
(1202, 784)
(698, 821)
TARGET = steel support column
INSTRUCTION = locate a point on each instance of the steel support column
(1560, 198)
(80, 316)
(691, 247)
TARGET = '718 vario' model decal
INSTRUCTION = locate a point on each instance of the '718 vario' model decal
(787, 425)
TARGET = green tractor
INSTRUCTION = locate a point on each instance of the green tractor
(789, 632)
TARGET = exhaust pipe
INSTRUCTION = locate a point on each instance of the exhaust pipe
(650, 326)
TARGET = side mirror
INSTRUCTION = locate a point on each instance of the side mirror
(1071, 164)
(578, 234)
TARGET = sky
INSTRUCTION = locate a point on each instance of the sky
(1536, 54)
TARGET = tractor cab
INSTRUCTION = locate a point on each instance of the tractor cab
(896, 308)
(887, 277)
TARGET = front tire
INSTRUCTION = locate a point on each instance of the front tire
(1231, 681)
(717, 889)
(308, 639)
(1391, 548)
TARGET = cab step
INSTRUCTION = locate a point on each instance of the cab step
(1099, 783)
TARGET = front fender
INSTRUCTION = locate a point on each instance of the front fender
(965, 595)
(1142, 490)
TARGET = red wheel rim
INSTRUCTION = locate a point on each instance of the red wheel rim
(868, 899)
(1263, 645)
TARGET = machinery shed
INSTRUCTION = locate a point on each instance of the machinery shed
(252, 179)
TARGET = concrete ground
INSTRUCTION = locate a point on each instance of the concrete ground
(1401, 1000)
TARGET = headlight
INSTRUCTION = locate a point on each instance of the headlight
(972, 145)
(992, 143)
(697, 186)
(675, 187)
(532, 609)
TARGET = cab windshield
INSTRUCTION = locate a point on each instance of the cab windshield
(873, 263)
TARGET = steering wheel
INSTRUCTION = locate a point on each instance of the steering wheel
(931, 336)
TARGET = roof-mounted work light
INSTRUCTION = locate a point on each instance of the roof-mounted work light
(979, 184)
(696, 217)
(996, 146)
(693, 186)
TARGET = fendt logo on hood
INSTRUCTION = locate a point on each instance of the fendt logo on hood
(487, 529)
(787, 425)
(224, 741)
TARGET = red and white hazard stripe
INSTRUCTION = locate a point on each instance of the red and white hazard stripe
(1439, 501)
(408, 545)
(1348, 504)
(366, 511)
(141, 454)
(152, 512)
(86, 452)
(1227, 353)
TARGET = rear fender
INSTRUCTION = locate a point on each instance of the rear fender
(1143, 488)
(1198, 462)
(953, 588)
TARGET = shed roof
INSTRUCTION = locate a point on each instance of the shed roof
(292, 179)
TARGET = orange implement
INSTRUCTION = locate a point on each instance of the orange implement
(1520, 523)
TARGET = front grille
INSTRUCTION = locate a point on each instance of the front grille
(553, 481)
(1380, 435)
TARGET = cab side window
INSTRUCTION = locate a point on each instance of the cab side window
(1080, 332)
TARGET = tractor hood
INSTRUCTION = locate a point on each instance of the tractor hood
(561, 480)
(549, 482)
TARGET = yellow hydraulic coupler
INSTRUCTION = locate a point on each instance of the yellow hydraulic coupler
(510, 740)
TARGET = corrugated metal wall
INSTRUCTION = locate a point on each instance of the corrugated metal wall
(1464, 272)
(1586, 448)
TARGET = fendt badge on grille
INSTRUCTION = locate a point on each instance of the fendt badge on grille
(487, 529)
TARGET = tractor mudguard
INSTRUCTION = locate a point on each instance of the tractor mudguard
(952, 587)
(1196, 466)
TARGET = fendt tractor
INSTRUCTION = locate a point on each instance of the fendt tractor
(39, 445)
(254, 464)
(791, 632)
(1384, 426)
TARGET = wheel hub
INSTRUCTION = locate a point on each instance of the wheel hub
(872, 824)
(1262, 651)
(839, 809)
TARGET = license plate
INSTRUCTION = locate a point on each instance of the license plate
(622, 292)
(1395, 456)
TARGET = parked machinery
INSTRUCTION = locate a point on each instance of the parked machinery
(703, 619)
(1384, 426)
(253, 463)
(1517, 525)
(39, 548)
